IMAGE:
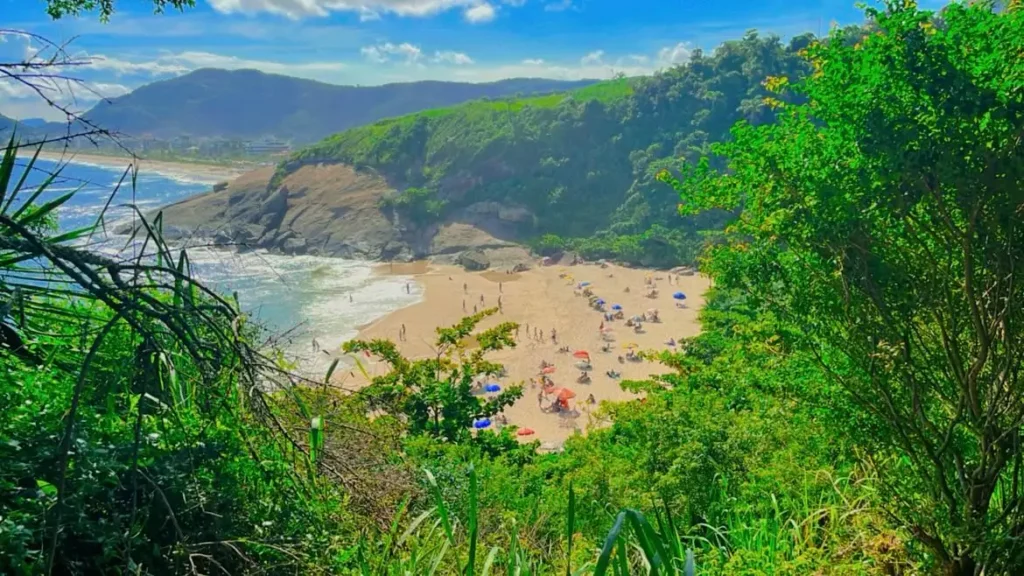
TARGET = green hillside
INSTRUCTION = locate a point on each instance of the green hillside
(581, 161)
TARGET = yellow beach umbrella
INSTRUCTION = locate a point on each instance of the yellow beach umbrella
(630, 345)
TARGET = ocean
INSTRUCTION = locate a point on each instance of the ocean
(299, 299)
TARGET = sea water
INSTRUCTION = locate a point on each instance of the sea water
(308, 304)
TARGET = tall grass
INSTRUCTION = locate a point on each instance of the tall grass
(437, 542)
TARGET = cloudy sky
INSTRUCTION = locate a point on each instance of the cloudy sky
(379, 41)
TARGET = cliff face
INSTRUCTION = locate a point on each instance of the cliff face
(334, 210)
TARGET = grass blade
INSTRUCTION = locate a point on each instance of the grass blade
(471, 564)
(609, 545)
(570, 529)
(442, 510)
(489, 561)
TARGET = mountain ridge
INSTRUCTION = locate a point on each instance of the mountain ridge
(249, 104)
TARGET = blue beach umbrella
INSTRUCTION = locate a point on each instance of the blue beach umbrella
(600, 302)
(679, 296)
(584, 284)
(616, 307)
(482, 423)
(492, 387)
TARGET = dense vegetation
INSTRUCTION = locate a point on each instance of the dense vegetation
(263, 104)
(583, 162)
(852, 405)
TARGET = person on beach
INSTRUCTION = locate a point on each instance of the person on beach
(481, 299)
(474, 308)
(499, 303)
(540, 399)
(350, 298)
(463, 304)
(554, 336)
(499, 286)
(465, 288)
(403, 331)
(407, 291)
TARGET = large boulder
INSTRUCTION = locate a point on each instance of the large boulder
(474, 260)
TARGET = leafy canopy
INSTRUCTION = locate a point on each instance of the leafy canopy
(61, 8)
(881, 222)
(436, 395)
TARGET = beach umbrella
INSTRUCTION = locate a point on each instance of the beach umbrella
(600, 301)
(551, 389)
(524, 432)
(616, 307)
(565, 394)
(584, 284)
(630, 345)
(581, 354)
(492, 388)
(679, 296)
(482, 423)
(548, 370)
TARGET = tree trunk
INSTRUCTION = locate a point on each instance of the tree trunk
(962, 566)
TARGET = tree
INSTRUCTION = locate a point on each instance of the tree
(61, 8)
(882, 223)
(435, 395)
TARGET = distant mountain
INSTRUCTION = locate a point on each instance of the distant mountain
(251, 104)
(33, 122)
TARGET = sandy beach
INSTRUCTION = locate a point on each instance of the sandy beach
(205, 173)
(541, 299)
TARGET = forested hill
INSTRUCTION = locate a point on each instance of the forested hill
(582, 163)
(251, 104)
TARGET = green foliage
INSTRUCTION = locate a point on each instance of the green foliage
(62, 8)
(421, 205)
(436, 396)
(134, 434)
(878, 222)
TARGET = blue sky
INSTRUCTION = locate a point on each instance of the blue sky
(380, 41)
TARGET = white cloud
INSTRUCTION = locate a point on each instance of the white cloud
(183, 62)
(449, 57)
(533, 61)
(638, 58)
(672, 55)
(384, 52)
(319, 8)
(120, 67)
(594, 58)
(480, 13)
(514, 3)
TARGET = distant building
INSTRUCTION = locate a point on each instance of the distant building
(267, 146)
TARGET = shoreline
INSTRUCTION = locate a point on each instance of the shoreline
(187, 171)
(544, 298)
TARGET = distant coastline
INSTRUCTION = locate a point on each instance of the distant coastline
(187, 171)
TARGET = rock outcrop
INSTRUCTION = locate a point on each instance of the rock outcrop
(335, 210)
